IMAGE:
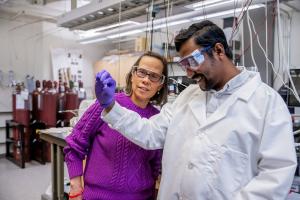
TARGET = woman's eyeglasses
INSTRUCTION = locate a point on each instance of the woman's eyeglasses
(154, 77)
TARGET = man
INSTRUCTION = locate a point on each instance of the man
(231, 139)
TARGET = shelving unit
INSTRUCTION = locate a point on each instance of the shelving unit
(4, 115)
(12, 143)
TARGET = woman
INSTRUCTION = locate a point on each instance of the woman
(117, 169)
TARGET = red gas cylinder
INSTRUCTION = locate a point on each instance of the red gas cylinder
(49, 105)
(44, 88)
(21, 113)
(71, 103)
(55, 86)
(36, 101)
(61, 104)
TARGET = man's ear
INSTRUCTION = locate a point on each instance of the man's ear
(219, 49)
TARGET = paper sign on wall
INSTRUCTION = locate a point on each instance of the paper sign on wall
(67, 64)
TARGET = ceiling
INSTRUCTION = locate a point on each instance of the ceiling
(32, 10)
(56, 10)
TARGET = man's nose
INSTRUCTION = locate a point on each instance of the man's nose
(189, 72)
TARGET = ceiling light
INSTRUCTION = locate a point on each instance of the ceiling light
(161, 23)
(214, 5)
(227, 12)
(110, 9)
(124, 34)
(94, 41)
(100, 12)
(170, 24)
(204, 3)
(114, 25)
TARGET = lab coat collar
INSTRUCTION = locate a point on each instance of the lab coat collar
(198, 102)
(247, 90)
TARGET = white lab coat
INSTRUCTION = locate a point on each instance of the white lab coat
(243, 151)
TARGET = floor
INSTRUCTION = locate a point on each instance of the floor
(23, 184)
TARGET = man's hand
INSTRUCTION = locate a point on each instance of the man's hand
(105, 89)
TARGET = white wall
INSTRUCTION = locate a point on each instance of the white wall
(25, 49)
(62, 38)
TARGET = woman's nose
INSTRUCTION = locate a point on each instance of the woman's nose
(146, 79)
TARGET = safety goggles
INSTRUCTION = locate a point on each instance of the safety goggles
(193, 60)
(154, 77)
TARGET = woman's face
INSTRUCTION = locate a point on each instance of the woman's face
(143, 88)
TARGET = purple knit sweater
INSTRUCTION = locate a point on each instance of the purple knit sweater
(116, 169)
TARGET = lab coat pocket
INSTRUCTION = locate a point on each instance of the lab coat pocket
(230, 172)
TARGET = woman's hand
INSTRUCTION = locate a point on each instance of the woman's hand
(105, 88)
(76, 188)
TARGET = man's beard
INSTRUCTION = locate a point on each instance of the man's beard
(197, 77)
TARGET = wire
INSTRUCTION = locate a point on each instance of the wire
(251, 41)
(242, 14)
(266, 24)
(294, 91)
(147, 45)
(280, 78)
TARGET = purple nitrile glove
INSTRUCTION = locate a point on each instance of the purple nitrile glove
(105, 88)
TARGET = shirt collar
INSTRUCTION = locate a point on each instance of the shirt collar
(233, 83)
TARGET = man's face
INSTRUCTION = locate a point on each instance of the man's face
(206, 73)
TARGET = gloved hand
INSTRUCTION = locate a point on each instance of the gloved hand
(105, 88)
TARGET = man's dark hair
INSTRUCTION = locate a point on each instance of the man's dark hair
(161, 97)
(206, 34)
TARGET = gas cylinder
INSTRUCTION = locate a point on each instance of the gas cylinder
(71, 103)
(20, 104)
(49, 105)
(61, 101)
(36, 101)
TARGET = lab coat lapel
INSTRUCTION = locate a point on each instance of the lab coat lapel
(242, 94)
(221, 112)
(198, 107)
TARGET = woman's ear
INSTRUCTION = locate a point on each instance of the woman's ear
(159, 88)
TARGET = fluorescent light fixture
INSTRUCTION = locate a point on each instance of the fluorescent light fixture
(204, 3)
(214, 5)
(178, 19)
(170, 24)
(125, 34)
(94, 32)
(227, 12)
(114, 25)
(94, 41)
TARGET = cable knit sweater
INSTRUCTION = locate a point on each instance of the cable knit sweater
(116, 169)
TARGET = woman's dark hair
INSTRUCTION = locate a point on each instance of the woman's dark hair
(206, 34)
(160, 97)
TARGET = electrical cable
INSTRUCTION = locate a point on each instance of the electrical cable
(251, 41)
(148, 13)
(152, 21)
(242, 14)
(266, 48)
(258, 40)
(294, 91)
